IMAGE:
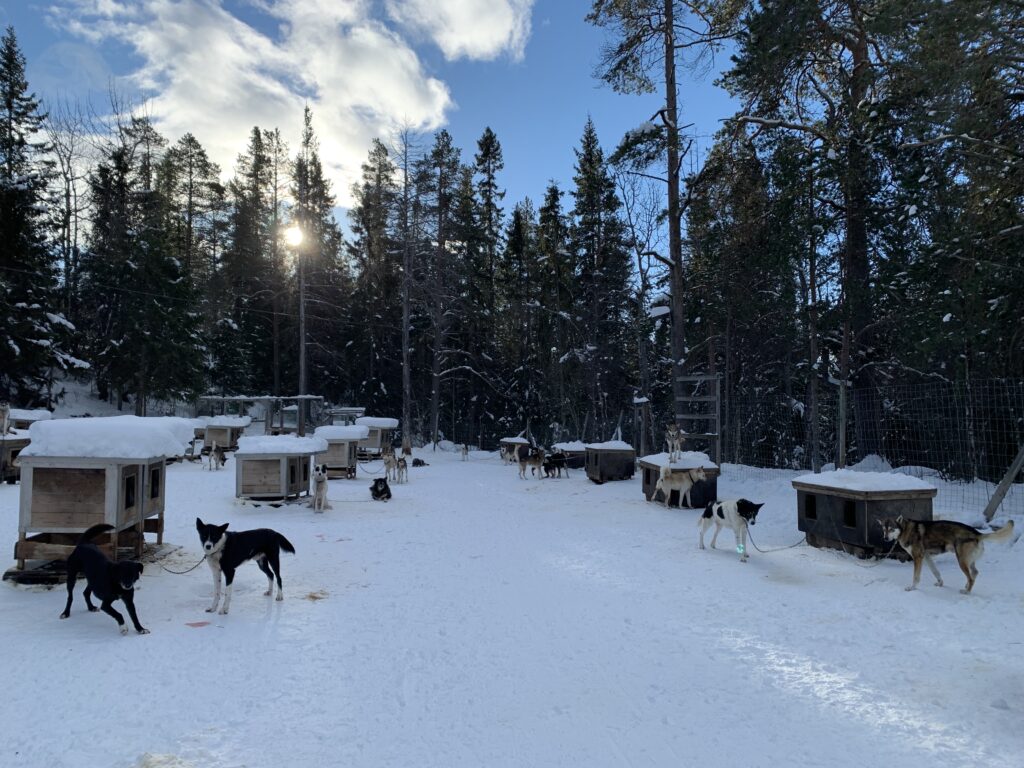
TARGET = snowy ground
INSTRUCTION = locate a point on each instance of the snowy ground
(482, 620)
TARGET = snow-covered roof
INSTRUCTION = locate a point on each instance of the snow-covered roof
(278, 444)
(31, 414)
(611, 445)
(340, 432)
(229, 421)
(16, 434)
(852, 480)
(109, 437)
(575, 445)
(515, 440)
(378, 422)
(686, 460)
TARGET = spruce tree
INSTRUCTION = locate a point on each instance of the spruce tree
(32, 329)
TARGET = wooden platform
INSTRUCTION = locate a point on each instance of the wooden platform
(51, 572)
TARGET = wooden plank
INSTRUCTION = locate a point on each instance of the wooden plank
(69, 498)
(1004, 485)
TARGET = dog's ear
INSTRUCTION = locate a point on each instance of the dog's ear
(200, 524)
(899, 519)
(758, 506)
(140, 567)
(223, 528)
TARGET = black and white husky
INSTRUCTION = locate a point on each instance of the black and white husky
(736, 514)
(226, 551)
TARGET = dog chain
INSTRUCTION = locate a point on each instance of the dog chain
(777, 549)
(179, 573)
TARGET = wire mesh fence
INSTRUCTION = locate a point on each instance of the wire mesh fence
(961, 436)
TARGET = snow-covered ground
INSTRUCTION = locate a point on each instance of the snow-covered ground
(482, 620)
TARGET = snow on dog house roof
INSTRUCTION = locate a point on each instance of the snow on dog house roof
(686, 460)
(851, 480)
(330, 432)
(576, 446)
(378, 422)
(110, 437)
(276, 445)
(515, 440)
(31, 414)
(611, 445)
(229, 421)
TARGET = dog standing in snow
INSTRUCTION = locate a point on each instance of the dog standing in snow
(217, 457)
(465, 452)
(319, 501)
(402, 470)
(683, 482)
(390, 466)
(736, 514)
(226, 551)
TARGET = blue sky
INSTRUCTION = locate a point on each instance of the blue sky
(217, 67)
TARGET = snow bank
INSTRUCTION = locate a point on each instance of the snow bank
(575, 446)
(330, 432)
(16, 434)
(611, 445)
(31, 414)
(125, 437)
(290, 444)
(686, 460)
(378, 422)
(851, 480)
(229, 421)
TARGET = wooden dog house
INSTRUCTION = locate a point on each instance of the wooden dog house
(842, 509)
(703, 491)
(23, 418)
(11, 445)
(381, 432)
(575, 453)
(342, 443)
(275, 467)
(613, 460)
(77, 473)
(225, 431)
(345, 416)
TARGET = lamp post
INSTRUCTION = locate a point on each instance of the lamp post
(293, 236)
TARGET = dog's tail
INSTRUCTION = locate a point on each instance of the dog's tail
(95, 531)
(663, 476)
(1003, 533)
(284, 543)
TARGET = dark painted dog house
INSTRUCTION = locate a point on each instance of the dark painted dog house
(703, 491)
(840, 510)
(613, 460)
(575, 454)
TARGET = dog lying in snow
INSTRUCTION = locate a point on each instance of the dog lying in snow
(108, 581)
(319, 501)
(419, 463)
(736, 514)
(683, 482)
(380, 490)
(226, 550)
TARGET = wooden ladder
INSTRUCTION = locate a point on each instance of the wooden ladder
(699, 414)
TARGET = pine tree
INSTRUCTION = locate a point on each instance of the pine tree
(32, 331)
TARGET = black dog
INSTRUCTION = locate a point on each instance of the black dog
(108, 581)
(380, 490)
(419, 463)
(226, 551)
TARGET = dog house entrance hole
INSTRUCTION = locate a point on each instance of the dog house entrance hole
(291, 473)
(811, 506)
(129, 491)
(849, 513)
(154, 483)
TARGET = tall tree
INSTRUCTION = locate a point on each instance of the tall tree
(31, 330)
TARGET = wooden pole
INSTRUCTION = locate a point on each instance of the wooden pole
(1004, 485)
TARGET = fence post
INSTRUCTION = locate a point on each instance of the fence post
(841, 454)
(1004, 485)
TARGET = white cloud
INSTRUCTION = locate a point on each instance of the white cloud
(473, 29)
(209, 72)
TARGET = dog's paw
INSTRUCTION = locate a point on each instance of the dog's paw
(965, 591)
(211, 609)
(911, 588)
(93, 609)
(268, 593)
(142, 631)
(223, 611)
(65, 615)
(280, 596)
(123, 628)
(938, 583)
